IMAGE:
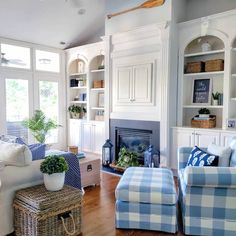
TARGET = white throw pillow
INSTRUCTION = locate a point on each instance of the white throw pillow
(15, 154)
(223, 153)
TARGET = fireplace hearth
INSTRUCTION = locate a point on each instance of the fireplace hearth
(134, 135)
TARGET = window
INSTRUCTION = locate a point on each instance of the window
(31, 79)
(48, 96)
(17, 107)
(15, 56)
(47, 61)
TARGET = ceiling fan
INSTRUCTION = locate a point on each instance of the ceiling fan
(11, 61)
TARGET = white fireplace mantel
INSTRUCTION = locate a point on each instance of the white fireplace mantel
(139, 78)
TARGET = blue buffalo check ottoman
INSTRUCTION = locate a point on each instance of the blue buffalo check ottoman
(146, 199)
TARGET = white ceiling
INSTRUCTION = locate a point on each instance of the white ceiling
(48, 22)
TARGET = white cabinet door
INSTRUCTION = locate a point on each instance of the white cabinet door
(180, 138)
(123, 84)
(86, 137)
(226, 138)
(98, 137)
(75, 133)
(204, 138)
(142, 83)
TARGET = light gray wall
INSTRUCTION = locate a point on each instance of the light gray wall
(96, 37)
(135, 18)
(200, 8)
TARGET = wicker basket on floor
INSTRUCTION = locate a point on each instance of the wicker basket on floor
(38, 212)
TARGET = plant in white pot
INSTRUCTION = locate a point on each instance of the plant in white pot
(75, 111)
(54, 168)
(215, 98)
(204, 113)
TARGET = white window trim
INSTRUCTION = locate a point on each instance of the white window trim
(34, 76)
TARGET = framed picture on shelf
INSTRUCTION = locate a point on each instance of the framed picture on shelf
(201, 92)
(101, 99)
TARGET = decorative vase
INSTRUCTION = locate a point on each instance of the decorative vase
(215, 102)
(206, 47)
(54, 182)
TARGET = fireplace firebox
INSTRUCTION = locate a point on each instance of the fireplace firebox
(134, 135)
(135, 140)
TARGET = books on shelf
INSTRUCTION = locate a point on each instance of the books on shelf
(201, 118)
(80, 155)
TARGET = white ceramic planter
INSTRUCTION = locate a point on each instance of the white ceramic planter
(75, 115)
(54, 182)
(215, 102)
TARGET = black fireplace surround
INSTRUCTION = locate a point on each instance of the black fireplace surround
(135, 135)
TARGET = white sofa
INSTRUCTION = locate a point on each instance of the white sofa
(13, 178)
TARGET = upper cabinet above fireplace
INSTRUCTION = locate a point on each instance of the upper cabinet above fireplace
(133, 84)
(136, 73)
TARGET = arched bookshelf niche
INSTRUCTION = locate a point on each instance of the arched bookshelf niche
(203, 62)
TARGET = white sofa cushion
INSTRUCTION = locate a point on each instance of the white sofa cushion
(15, 154)
(12, 179)
(223, 153)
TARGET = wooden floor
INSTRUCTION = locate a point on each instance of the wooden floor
(98, 216)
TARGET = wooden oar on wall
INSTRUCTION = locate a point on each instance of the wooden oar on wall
(147, 4)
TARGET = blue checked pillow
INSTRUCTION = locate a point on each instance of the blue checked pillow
(199, 157)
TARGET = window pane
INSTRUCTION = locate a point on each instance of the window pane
(47, 61)
(15, 56)
(49, 105)
(17, 107)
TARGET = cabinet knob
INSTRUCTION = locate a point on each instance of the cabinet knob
(132, 100)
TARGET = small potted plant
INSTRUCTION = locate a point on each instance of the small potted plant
(75, 111)
(215, 97)
(40, 125)
(204, 113)
(127, 158)
(53, 169)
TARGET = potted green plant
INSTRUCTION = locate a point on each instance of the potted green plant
(75, 111)
(40, 125)
(215, 97)
(127, 158)
(53, 169)
(204, 112)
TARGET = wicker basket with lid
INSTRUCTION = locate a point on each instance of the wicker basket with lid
(38, 212)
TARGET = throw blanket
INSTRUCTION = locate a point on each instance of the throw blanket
(72, 177)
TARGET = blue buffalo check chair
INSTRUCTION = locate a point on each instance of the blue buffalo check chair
(207, 196)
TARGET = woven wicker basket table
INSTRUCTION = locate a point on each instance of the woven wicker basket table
(38, 212)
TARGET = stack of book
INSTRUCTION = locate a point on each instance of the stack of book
(201, 118)
(220, 101)
(80, 155)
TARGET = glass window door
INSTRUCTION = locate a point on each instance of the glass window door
(17, 106)
(48, 99)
